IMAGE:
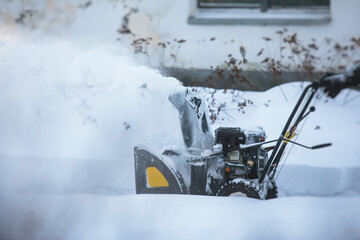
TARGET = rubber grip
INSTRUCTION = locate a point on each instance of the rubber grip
(321, 146)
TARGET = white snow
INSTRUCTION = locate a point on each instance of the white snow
(71, 113)
(180, 217)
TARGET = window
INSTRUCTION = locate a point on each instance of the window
(260, 12)
(229, 3)
(262, 3)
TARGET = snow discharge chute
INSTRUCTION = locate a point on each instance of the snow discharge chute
(197, 138)
(235, 161)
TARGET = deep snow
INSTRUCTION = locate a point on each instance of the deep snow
(179, 217)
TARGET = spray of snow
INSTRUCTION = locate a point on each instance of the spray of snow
(64, 102)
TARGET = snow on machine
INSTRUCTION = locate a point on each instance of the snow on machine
(235, 160)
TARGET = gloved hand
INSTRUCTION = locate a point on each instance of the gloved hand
(334, 83)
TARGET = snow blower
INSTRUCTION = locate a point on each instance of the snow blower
(236, 160)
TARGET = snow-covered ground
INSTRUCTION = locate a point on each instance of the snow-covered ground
(71, 113)
(178, 217)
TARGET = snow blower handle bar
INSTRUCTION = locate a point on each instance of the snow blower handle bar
(313, 147)
(280, 145)
(321, 146)
(332, 84)
(284, 140)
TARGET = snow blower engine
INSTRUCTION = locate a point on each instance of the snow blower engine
(240, 162)
(235, 161)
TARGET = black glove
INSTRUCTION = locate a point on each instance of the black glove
(334, 83)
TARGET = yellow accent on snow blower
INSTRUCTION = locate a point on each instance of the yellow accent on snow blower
(289, 136)
(155, 178)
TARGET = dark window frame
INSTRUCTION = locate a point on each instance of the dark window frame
(263, 5)
(201, 4)
(257, 14)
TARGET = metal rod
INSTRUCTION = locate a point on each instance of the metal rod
(277, 146)
(300, 117)
(313, 147)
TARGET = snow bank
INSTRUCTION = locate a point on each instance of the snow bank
(179, 217)
(305, 180)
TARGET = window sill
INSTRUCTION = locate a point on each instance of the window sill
(210, 16)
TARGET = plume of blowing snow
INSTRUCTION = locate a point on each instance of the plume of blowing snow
(62, 104)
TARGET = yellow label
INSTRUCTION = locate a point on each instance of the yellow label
(287, 134)
(155, 178)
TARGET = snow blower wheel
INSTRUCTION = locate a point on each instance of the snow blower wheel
(239, 185)
(272, 192)
(244, 187)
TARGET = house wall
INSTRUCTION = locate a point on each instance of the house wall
(205, 45)
(167, 20)
(210, 44)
